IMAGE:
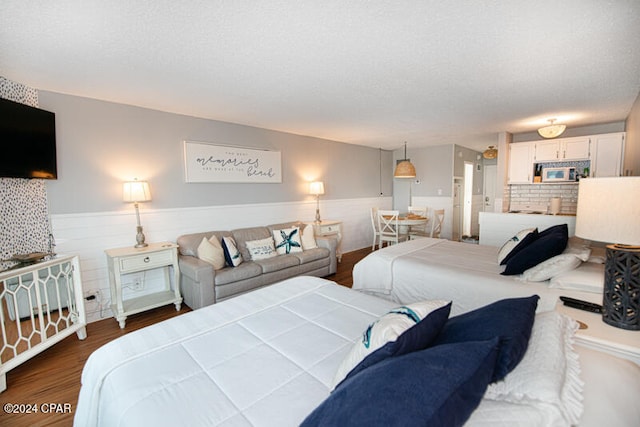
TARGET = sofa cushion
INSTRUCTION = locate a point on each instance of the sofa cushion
(277, 263)
(243, 235)
(287, 240)
(188, 243)
(308, 237)
(211, 251)
(246, 270)
(311, 254)
(261, 249)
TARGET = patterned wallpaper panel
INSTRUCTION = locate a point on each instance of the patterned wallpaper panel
(24, 214)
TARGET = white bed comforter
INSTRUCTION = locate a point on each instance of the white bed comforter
(266, 358)
(466, 274)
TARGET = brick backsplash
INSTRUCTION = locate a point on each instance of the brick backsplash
(541, 194)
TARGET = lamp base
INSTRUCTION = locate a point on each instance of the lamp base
(621, 299)
(140, 238)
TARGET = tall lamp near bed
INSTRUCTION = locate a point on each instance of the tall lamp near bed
(609, 211)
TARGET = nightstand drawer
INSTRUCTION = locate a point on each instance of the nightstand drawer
(326, 229)
(145, 261)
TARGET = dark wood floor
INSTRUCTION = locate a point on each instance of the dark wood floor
(53, 377)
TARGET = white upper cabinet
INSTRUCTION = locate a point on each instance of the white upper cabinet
(521, 162)
(606, 159)
(562, 149)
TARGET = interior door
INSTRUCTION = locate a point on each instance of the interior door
(490, 178)
(457, 209)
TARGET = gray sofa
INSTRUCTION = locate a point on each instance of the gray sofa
(201, 285)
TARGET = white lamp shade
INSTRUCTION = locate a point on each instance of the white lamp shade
(136, 191)
(316, 188)
(551, 131)
(609, 210)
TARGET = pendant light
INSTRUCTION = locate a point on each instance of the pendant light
(490, 153)
(405, 169)
(552, 130)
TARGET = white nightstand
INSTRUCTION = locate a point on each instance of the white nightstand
(600, 336)
(330, 228)
(131, 260)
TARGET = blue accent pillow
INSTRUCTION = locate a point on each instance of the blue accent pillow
(439, 386)
(550, 242)
(418, 337)
(231, 253)
(510, 320)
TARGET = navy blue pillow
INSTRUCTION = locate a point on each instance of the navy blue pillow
(510, 320)
(526, 241)
(417, 337)
(550, 242)
(439, 386)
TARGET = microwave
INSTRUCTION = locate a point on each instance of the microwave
(558, 174)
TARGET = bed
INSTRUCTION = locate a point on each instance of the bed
(467, 274)
(269, 357)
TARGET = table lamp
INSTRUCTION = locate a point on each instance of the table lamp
(609, 211)
(136, 192)
(317, 188)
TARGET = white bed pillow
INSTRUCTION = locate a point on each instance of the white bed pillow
(384, 330)
(211, 251)
(580, 250)
(549, 374)
(308, 238)
(588, 277)
(510, 244)
(261, 249)
(551, 267)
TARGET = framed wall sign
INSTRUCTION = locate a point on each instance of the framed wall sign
(208, 162)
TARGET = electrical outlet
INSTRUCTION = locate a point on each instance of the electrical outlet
(92, 295)
(137, 284)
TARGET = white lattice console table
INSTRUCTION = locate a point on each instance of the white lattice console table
(40, 305)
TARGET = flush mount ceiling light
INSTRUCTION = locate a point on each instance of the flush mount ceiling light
(490, 153)
(405, 169)
(552, 130)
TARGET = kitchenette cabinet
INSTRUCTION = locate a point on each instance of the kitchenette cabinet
(604, 154)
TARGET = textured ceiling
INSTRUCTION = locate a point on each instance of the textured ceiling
(375, 73)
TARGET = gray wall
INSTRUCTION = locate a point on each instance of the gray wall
(101, 144)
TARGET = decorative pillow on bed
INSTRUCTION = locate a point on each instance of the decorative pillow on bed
(402, 330)
(551, 267)
(549, 371)
(308, 238)
(287, 240)
(589, 277)
(516, 243)
(211, 251)
(261, 249)
(550, 242)
(231, 252)
(576, 246)
(439, 386)
(509, 319)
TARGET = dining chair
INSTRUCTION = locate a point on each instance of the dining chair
(374, 225)
(436, 223)
(388, 228)
(417, 231)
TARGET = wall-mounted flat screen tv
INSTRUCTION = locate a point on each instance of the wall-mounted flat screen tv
(27, 142)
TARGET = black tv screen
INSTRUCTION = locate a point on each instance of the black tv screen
(27, 141)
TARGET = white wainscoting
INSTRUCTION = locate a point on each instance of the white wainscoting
(89, 234)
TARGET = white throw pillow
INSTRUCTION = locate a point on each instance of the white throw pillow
(386, 329)
(211, 251)
(231, 253)
(287, 240)
(510, 244)
(581, 251)
(549, 372)
(261, 249)
(588, 277)
(308, 238)
(551, 267)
